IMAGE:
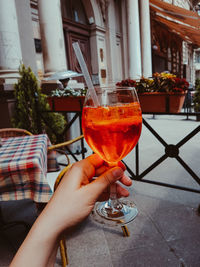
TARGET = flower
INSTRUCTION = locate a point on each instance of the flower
(68, 92)
(181, 84)
(160, 82)
(127, 82)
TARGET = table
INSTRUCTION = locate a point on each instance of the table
(24, 162)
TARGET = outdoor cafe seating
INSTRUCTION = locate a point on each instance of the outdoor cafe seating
(25, 160)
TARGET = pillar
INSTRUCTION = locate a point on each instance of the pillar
(25, 25)
(110, 43)
(134, 50)
(10, 59)
(51, 28)
(10, 49)
(145, 38)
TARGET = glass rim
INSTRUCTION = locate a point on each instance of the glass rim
(114, 88)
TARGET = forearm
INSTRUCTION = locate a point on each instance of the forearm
(40, 246)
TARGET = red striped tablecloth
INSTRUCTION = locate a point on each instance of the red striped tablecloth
(24, 162)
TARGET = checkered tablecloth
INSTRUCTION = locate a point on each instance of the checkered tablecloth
(23, 168)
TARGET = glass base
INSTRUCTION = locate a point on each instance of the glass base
(125, 212)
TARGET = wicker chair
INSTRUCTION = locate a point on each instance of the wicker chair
(13, 132)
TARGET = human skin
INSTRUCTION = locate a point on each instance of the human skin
(72, 202)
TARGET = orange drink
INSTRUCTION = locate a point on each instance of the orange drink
(112, 131)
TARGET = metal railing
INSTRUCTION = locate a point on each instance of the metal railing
(171, 151)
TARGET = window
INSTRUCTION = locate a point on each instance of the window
(197, 57)
(74, 10)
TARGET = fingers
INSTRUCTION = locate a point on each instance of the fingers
(81, 172)
(103, 181)
(95, 160)
(121, 165)
(121, 192)
(104, 167)
(101, 170)
(126, 180)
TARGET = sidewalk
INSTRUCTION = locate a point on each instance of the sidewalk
(166, 231)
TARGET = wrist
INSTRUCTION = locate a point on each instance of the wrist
(52, 222)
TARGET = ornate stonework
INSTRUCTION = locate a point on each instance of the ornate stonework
(104, 6)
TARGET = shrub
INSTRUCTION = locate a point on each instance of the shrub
(32, 111)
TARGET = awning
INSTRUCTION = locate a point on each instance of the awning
(183, 22)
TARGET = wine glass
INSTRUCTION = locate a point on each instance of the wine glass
(112, 130)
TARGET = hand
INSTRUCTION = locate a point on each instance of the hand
(77, 193)
(73, 200)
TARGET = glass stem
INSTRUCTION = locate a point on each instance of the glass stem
(113, 202)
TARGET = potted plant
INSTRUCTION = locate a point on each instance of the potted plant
(164, 92)
(67, 99)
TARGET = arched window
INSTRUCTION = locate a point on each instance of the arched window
(74, 10)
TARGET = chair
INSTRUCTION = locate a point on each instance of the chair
(13, 132)
(63, 248)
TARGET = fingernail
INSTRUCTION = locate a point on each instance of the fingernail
(117, 172)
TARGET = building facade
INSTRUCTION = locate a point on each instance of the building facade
(118, 38)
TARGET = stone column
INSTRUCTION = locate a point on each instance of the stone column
(52, 36)
(10, 59)
(111, 43)
(25, 25)
(134, 50)
(10, 49)
(145, 38)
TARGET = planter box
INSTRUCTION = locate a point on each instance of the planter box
(161, 102)
(67, 103)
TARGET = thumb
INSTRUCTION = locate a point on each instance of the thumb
(106, 179)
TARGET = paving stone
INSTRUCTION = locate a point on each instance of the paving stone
(155, 255)
(177, 222)
(187, 250)
(142, 234)
(87, 246)
(100, 260)
(165, 194)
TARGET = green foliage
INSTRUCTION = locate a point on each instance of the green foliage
(196, 99)
(32, 109)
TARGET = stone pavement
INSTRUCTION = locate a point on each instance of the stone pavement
(166, 231)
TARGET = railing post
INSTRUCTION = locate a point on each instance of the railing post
(137, 160)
